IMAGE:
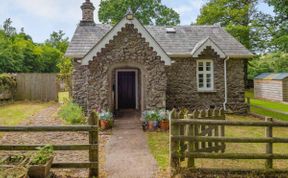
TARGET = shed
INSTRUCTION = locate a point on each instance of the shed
(272, 86)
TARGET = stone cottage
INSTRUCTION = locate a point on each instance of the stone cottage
(131, 66)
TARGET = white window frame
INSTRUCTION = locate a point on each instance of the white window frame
(204, 72)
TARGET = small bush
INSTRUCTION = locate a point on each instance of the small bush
(72, 113)
(7, 82)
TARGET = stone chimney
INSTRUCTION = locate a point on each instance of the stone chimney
(87, 13)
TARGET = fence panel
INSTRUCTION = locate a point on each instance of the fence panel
(92, 147)
(37, 86)
(216, 137)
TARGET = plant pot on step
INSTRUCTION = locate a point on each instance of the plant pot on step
(104, 124)
(164, 125)
(156, 125)
(40, 171)
(150, 125)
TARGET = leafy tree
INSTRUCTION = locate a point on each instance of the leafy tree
(66, 68)
(8, 28)
(234, 15)
(58, 40)
(273, 62)
(18, 52)
(149, 12)
(273, 29)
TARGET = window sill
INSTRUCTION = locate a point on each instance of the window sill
(206, 91)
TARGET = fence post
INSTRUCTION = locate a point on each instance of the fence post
(191, 145)
(269, 146)
(93, 150)
(174, 144)
(249, 104)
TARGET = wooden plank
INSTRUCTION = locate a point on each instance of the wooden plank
(229, 123)
(35, 147)
(237, 155)
(240, 171)
(191, 145)
(269, 146)
(37, 86)
(78, 165)
(231, 140)
(93, 140)
(46, 128)
(174, 144)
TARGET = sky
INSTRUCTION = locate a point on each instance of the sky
(41, 17)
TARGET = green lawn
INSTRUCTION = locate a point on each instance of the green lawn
(15, 113)
(268, 104)
(159, 146)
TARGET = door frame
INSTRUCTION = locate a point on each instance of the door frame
(136, 85)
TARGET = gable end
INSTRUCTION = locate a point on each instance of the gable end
(117, 28)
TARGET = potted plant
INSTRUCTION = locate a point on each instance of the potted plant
(40, 162)
(152, 119)
(106, 120)
(164, 121)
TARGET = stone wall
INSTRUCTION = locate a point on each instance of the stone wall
(236, 85)
(182, 83)
(127, 50)
(79, 85)
(92, 84)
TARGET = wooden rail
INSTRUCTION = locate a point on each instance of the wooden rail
(176, 137)
(92, 147)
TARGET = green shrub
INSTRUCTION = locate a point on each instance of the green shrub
(72, 113)
(7, 82)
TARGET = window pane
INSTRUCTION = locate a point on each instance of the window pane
(201, 80)
(208, 66)
(208, 81)
(200, 66)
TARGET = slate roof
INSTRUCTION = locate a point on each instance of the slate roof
(180, 43)
(272, 76)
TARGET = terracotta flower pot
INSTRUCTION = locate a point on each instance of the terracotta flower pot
(164, 125)
(150, 125)
(104, 124)
(40, 171)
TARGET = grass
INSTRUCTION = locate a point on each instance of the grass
(267, 104)
(159, 146)
(15, 113)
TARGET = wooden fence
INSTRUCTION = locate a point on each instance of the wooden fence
(92, 128)
(37, 86)
(178, 154)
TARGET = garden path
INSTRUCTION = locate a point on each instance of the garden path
(48, 117)
(127, 152)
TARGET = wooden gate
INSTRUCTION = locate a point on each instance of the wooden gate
(180, 147)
